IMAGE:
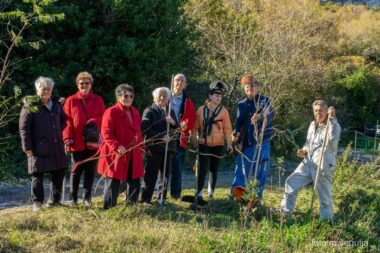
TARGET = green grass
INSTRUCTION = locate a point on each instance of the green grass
(224, 226)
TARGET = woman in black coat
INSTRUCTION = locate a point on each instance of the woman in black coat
(153, 127)
(41, 123)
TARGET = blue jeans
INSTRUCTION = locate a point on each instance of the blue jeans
(178, 163)
(263, 168)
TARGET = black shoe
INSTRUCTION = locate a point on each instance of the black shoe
(201, 201)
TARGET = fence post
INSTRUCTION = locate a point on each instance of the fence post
(356, 137)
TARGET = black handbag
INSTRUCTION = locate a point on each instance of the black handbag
(91, 132)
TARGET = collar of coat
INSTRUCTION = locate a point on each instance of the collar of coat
(158, 108)
(134, 114)
(86, 97)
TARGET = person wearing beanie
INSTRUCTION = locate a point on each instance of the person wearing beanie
(253, 134)
(212, 130)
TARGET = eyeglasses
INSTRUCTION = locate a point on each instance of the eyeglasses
(252, 85)
(127, 96)
(84, 83)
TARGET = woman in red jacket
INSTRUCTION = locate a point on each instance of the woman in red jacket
(122, 149)
(81, 108)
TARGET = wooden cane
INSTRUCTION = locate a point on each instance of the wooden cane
(319, 164)
(165, 159)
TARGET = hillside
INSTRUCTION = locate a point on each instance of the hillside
(222, 226)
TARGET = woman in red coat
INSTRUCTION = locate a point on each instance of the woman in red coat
(80, 108)
(122, 149)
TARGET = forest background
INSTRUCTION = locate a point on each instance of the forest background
(299, 51)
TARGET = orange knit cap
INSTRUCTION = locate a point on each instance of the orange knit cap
(248, 79)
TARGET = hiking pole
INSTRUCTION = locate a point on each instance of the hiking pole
(320, 164)
(165, 159)
(194, 205)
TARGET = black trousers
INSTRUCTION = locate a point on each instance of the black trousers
(155, 163)
(88, 168)
(208, 163)
(112, 190)
(38, 186)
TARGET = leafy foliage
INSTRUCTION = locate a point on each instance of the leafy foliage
(142, 43)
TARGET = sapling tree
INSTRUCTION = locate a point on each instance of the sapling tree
(15, 20)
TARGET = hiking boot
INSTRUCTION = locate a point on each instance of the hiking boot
(37, 206)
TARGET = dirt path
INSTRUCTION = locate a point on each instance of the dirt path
(15, 195)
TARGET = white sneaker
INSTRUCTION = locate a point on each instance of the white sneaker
(37, 206)
(87, 203)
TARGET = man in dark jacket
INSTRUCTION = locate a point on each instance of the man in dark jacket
(41, 123)
(154, 129)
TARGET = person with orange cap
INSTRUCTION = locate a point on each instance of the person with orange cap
(253, 134)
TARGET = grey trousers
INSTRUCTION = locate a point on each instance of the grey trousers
(301, 177)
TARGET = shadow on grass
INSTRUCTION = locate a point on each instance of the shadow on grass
(7, 246)
(217, 213)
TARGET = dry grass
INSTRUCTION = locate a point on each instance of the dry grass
(222, 227)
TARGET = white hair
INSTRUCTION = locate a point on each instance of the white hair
(157, 91)
(181, 75)
(320, 102)
(42, 82)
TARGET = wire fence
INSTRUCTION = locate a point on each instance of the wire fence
(363, 141)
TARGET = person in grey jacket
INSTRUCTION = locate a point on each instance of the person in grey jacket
(41, 123)
(311, 152)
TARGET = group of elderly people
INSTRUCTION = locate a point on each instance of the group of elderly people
(114, 141)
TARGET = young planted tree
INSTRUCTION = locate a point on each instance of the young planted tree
(16, 20)
(284, 44)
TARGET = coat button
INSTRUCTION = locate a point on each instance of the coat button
(53, 126)
(55, 140)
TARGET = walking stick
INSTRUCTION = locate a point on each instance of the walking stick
(319, 164)
(194, 205)
(165, 159)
